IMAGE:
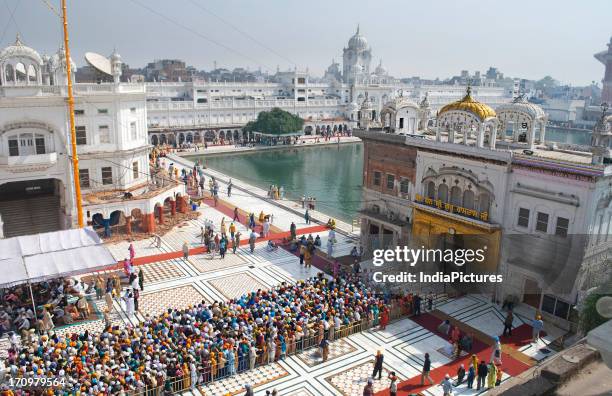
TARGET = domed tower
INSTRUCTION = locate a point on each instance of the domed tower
(116, 64)
(424, 113)
(601, 139)
(58, 70)
(20, 65)
(356, 59)
(605, 57)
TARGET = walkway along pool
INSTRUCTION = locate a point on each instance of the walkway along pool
(332, 174)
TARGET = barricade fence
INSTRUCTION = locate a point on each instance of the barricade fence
(223, 368)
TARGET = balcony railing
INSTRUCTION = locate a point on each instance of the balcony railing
(34, 160)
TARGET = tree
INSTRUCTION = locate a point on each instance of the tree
(275, 121)
(590, 318)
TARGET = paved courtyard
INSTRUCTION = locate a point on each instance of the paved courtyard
(181, 282)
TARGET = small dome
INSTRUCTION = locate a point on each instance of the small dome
(358, 41)
(59, 60)
(19, 50)
(480, 110)
(400, 102)
(115, 57)
(353, 107)
(380, 70)
(520, 104)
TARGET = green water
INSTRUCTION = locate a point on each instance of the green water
(332, 174)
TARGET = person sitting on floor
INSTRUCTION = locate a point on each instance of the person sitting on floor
(317, 241)
(272, 246)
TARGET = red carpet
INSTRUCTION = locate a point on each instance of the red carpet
(520, 337)
(413, 385)
(223, 208)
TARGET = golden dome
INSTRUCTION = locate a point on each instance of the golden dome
(480, 110)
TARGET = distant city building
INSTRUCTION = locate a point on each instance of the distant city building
(605, 57)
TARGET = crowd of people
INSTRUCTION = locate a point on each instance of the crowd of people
(202, 342)
(60, 301)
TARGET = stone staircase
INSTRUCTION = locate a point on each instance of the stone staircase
(30, 216)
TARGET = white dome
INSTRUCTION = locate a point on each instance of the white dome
(380, 70)
(353, 107)
(358, 41)
(59, 60)
(400, 102)
(18, 50)
(521, 105)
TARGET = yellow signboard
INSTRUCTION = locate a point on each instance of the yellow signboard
(436, 203)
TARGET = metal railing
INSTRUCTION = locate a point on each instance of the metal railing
(220, 369)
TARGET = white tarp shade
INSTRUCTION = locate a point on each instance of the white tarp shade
(51, 255)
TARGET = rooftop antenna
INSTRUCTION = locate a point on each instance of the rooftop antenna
(75, 157)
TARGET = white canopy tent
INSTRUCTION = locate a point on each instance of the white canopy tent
(35, 258)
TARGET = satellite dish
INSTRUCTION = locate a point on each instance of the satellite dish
(99, 62)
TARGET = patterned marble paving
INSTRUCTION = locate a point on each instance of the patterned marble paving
(338, 348)
(155, 303)
(154, 272)
(234, 385)
(204, 263)
(352, 381)
(234, 286)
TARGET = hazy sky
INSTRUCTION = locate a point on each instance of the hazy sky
(435, 38)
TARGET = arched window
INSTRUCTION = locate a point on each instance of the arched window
(431, 190)
(484, 202)
(31, 74)
(455, 197)
(20, 70)
(468, 199)
(9, 73)
(443, 193)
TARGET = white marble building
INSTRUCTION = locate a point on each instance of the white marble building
(195, 111)
(490, 178)
(36, 177)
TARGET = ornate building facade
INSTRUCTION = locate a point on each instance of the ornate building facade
(198, 111)
(479, 177)
(36, 176)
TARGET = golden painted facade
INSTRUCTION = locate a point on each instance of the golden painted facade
(435, 229)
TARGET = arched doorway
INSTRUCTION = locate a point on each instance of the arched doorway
(32, 206)
(181, 138)
(162, 139)
(308, 130)
(209, 136)
(154, 140)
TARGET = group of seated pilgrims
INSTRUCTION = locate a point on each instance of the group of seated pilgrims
(199, 343)
(59, 297)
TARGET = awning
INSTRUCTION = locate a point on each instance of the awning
(40, 257)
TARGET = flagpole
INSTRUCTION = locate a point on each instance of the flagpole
(75, 157)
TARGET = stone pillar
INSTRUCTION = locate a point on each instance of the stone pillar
(493, 137)
(438, 133)
(160, 214)
(480, 135)
(183, 204)
(451, 134)
(173, 207)
(515, 132)
(543, 132)
(531, 136)
(128, 225)
(466, 133)
(148, 222)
